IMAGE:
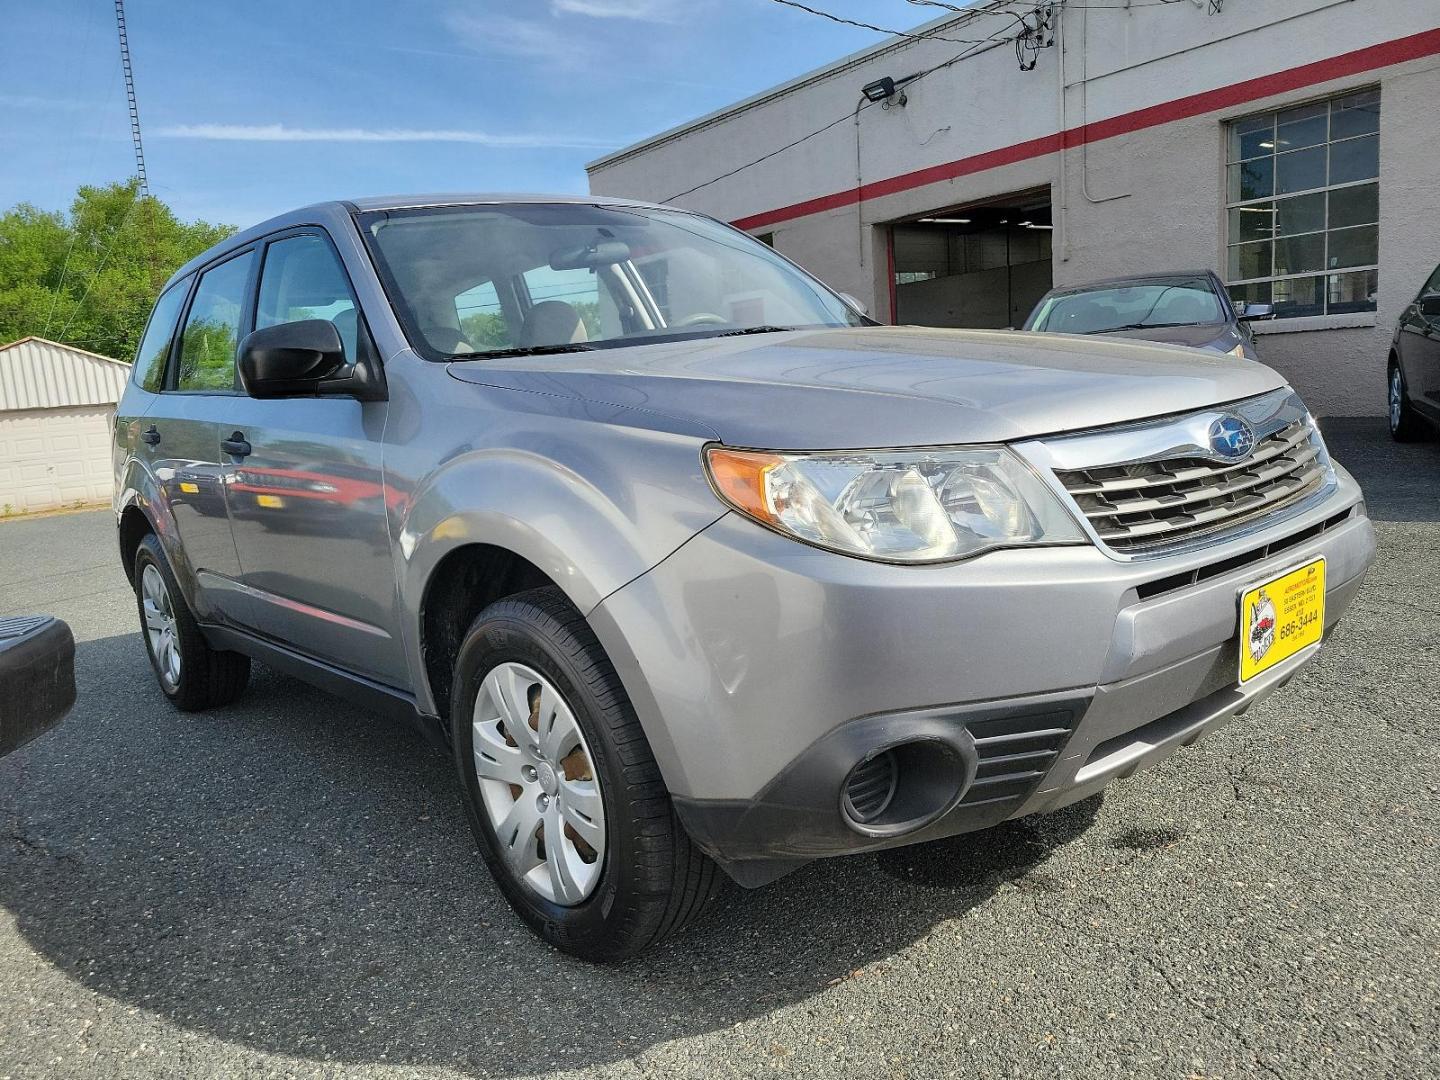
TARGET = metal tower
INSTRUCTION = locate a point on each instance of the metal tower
(130, 98)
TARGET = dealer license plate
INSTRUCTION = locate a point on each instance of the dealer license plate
(1280, 617)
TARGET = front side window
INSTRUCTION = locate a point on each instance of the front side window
(1303, 206)
(1151, 302)
(154, 348)
(303, 279)
(212, 329)
(480, 280)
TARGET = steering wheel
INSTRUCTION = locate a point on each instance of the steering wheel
(700, 318)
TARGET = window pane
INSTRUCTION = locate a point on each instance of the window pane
(1294, 298)
(212, 331)
(1355, 247)
(1352, 292)
(155, 345)
(1250, 261)
(482, 320)
(1252, 137)
(1256, 292)
(302, 280)
(1355, 206)
(1252, 223)
(1252, 180)
(1300, 171)
(1299, 254)
(1356, 159)
(1306, 126)
(1355, 114)
(1304, 213)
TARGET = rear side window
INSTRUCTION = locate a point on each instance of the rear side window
(212, 329)
(303, 279)
(155, 345)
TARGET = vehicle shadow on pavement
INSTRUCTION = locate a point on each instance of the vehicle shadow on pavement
(297, 876)
(1387, 470)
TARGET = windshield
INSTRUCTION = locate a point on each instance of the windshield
(1180, 301)
(486, 280)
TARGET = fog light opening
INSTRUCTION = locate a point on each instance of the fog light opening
(903, 788)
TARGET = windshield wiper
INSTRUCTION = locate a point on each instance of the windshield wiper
(756, 330)
(530, 350)
(1143, 326)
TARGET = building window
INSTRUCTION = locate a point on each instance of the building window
(1304, 207)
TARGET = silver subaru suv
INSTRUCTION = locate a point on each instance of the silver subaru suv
(695, 568)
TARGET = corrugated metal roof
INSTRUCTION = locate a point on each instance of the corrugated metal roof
(40, 374)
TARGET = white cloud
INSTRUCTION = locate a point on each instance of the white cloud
(646, 10)
(281, 133)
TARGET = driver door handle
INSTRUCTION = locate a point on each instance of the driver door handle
(236, 446)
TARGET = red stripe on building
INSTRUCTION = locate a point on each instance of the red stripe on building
(1371, 58)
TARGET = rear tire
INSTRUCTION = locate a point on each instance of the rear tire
(533, 656)
(190, 673)
(1406, 425)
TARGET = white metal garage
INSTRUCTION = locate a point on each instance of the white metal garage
(56, 403)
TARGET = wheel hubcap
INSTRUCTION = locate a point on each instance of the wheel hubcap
(538, 784)
(1396, 398)
(160, 626)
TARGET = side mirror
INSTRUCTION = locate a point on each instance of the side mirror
(1430, 307)
(1254, 312)
(302, 359)
(854, 303)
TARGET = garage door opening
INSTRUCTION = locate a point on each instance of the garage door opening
(981, 265)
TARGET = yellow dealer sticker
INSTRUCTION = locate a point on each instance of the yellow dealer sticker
(1281, 617)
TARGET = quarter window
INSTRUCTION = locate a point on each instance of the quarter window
(303, 279)
(159, 332)
(212, 329)
(1303, 202)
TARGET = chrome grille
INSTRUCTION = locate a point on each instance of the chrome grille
(1182, 494)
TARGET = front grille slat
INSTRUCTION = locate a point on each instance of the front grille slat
(1153, 503)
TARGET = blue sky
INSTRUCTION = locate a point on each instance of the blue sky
(251, 108)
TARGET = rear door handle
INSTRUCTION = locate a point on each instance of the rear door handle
(236, 446)
(151, 436)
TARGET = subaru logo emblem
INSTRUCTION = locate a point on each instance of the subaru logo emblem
(1232, 438)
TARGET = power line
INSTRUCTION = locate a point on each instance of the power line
(843, 21)
(104, 258)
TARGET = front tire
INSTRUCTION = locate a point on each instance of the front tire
(561, 788)
(190, 673)
(1406, 425)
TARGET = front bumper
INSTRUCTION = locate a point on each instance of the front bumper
(763, 670)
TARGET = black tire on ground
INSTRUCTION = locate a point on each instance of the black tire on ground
(654, 880)
(209, 677)
(1406, 425)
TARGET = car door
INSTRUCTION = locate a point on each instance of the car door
(1419, 347)
(181, 437)
(306, 495)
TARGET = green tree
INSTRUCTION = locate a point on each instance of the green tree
(89, 277)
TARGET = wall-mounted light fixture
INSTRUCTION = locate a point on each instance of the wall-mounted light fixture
(879, 90)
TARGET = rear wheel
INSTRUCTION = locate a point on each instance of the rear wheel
(191, 674)
(1406, 425)
(561, 789)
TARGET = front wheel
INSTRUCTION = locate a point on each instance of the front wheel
(561, 789)
(1405, 424)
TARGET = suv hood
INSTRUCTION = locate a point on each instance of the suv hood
(873, 387)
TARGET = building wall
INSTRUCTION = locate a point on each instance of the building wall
(1131, 193)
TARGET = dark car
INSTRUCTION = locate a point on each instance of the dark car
(1186, 307)
(1415, 366)
(37, 677)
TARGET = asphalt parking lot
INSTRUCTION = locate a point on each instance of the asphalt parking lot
(288, 888)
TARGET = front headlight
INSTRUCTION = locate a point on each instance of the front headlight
(909, 506)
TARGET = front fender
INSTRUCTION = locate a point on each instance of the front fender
(597, 508)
